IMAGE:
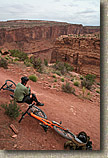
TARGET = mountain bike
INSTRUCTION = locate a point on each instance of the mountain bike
(9, 85)
(39, 115)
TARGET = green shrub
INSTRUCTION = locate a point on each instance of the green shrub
(37, 64)
(68, 67)
(60, 66)
(76, 83)
(90, 77)
(16, 59)
(3, 63)
(54, 76)
(98, 84)
(45, 62)
(81, 78)
(97, 91)
(58, 73)
(12, 110)
(86, 83)
(88, 93)
(62, 79)
(33, 78)
(83, 91)
(55, 80)
(31, 59)
(63, 67)
(67, 88)
(72, 79)
(21, 55)
(27, 63)
(7, 58)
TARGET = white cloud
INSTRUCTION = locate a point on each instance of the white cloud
(86, 12)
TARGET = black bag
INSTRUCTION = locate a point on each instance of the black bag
(85, 144)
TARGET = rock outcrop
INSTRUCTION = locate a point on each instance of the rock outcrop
(83, 52)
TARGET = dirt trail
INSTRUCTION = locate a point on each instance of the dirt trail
(76, 115)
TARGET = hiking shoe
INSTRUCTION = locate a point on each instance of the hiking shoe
(40, 104)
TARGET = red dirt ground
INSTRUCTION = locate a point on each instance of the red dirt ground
(76, 114)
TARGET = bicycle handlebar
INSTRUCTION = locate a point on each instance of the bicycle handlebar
(30, 106)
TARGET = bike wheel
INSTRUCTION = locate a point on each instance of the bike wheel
(37, 111)
(9, 85)
(64, 133)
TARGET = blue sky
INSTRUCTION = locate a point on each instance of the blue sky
(85, 12)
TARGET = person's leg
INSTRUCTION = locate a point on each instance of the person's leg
(27, 99)
(34, 98)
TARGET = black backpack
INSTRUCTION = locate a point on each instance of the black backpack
(74, 144)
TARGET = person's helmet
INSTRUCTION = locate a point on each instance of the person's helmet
(24, 79)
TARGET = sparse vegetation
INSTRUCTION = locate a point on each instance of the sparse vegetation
(67, 88)
(68, 67)
(90, 77)
(97, 91)
(76, 83)
(85, 94)
(45, 62)
(55, 80)
(58, 73)
(62, 79)
(98, 83)
(54, 76)
(27, 63)
(3, 63)
(37, 64)
(81, 78)
(83, 91)
(7, 58)
(72, 79)
(88, 93)
(16, 59)
(88, 81)
(21, 55)
(12, 110)
(63, 67)
(33, 78)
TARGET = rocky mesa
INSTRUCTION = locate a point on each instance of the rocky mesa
(21, 33)
(76, 44)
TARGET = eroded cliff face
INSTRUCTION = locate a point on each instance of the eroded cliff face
(83, 52)
(30, 36)
(76, 44)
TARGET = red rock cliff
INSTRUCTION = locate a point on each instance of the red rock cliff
(19, 34)
(83, 52)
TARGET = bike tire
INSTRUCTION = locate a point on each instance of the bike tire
(10, 81)
(10, 85)
(37, 111)
(64, 133)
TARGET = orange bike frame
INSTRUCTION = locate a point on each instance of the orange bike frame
(46, 122)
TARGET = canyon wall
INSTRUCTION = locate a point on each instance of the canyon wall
(32, 36)
(82, 52)
(76, 44)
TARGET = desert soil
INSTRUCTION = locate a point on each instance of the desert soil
(75, 113)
